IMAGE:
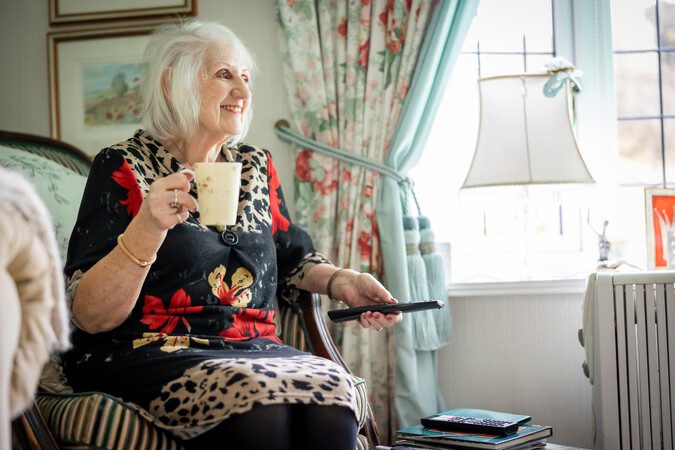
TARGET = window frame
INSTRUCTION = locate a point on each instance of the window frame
(582, 35)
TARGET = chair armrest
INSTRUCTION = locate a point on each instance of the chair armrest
(321, 341)
(322, 345)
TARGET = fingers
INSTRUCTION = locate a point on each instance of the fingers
(379, 321)
(180, 181)
(189, 174)
(376, 292)
(169, 201)
(182, 216)
(183, 201)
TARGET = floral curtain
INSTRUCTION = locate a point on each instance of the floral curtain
(348, 66)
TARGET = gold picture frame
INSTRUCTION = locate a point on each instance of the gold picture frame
(81, 11)
(659, 215)
(95, 77)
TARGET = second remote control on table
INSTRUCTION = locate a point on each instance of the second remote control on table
(470, 424)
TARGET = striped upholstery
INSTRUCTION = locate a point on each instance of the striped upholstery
(101, 421)
(362, 442)
(293, 330)
(98, 420)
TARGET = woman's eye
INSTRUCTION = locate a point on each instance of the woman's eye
(224, 74)
(245, 78)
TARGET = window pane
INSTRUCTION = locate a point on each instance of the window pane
(501, 64)
(637, 83)
(633, 25)
(471, 36)
(640, 152)
(501, 25)
(667, 22)
(669, 135)
(536, 63)
(449, 149)
(668, 74)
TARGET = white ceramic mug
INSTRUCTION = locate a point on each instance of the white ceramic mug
(218, 186)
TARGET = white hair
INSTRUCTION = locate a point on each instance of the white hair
(180, 50)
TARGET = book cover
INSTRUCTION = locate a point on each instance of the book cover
(525, 434)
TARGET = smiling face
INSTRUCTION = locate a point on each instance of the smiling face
(225, 95)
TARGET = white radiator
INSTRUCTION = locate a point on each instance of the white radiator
(634, 342)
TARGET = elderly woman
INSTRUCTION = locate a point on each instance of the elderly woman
(178, 317)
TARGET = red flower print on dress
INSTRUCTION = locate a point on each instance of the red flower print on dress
(238, 293)
(303, 167)
(155, 315)
(125, 177)
(279, 222)
(251, 323)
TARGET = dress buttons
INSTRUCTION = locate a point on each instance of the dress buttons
(230, 238)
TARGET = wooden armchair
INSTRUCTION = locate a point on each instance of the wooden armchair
(98, 420)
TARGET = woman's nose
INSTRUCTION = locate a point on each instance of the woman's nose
(241, 90)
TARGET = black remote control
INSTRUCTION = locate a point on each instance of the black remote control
(342, 315)
(470, 424)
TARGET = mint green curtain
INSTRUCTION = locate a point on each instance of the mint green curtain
(417, 392)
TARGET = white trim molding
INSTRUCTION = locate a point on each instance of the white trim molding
(505, 288)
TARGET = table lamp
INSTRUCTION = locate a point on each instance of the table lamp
(525, 138)
(525, 134)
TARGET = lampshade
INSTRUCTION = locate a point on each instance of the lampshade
(525, 137)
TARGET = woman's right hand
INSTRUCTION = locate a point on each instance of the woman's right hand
(158, 211)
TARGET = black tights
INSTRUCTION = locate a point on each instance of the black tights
(283, 427)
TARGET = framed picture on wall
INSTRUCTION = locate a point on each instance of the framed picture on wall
(69, 11)
(95, 78)
(660, 219)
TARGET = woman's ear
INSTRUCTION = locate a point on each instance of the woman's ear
(166, 82)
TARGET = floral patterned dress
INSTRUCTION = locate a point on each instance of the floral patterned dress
(200, 343)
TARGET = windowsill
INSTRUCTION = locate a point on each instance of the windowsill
(502, 288)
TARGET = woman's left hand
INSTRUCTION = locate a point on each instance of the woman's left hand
(362, 289)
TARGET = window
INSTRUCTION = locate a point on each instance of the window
(644, 68)
(537, 233)
(500, 233)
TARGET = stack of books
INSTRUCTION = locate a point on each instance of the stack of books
(528, 436)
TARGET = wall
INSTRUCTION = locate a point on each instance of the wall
(520, 354)
(24, 78)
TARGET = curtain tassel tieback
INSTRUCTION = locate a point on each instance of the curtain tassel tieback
(425, 335)
(435, 269)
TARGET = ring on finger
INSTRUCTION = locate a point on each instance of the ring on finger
(174, 203)
(379, 329)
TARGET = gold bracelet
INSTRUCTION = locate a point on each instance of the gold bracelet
(136, 261)
(329, 286)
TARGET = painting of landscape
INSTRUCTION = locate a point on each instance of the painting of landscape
(111, 94)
